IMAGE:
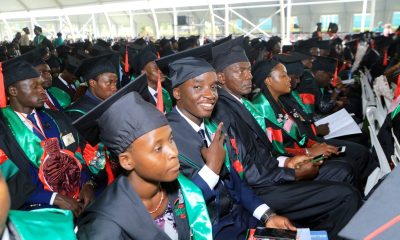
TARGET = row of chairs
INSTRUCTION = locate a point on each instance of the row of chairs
(376, 110)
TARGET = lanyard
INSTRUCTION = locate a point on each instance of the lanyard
(33, 125)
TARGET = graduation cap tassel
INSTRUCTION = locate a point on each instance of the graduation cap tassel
(126, 69)
(335, 76)
(385, 58)
(160, 101)
(3, 98)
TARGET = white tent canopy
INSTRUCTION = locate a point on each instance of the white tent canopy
(107, 18)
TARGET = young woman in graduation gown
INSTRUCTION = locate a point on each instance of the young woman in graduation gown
(151, 200)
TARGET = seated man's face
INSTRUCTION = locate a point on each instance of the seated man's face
(197, 97)
(104, 86)
(323, 78)
(4, 203)
(152, 71)
(29, 92)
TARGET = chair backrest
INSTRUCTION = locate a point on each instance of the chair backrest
(367, 94)
(396, 149)
(374, 119)
(383, 162)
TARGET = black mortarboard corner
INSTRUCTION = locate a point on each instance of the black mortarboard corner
(290, 57)
(17, 69)
(222, 40)
(261, 70)
(381, 41)
(33, 57)
(272, 42)
(94, 66)
(72, 64)
(87, 125)
(295, 68)
(53, 61)
(228, 53)
(379, 217)
(203, 52)
(304, 46)
(326, 64)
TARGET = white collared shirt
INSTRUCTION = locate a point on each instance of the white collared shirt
(23, 117)
(65, 82)
(6, 234)
(210, 177)
(153, 93)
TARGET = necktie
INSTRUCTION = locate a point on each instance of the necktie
(31, 117)
(202, 134)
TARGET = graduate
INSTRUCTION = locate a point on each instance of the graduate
(232, 205)
(151, 200)
(39, 37)
(145, 64)
(65, 81)
(41, 148)
(35, 59)
(278, 181)
(292, 132)
(101, 75)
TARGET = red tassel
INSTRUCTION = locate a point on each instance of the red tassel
(397, 92)
(160, 100)
(373, 44)
(335, 76)
(126, 60)
(385, 58)
(3, 98)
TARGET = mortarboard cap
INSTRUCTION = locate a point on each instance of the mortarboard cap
(145, 55)
(17, 69)
(94, 66)
(304, 46)
(326, 64)
(33, 57)
(89, 123)
(272, 42)
(53, 61)
(222, 40)
(381, 41)
(261, 70)
(228, 53)
(203, 52)
(287, 48)
(127, 119)
(379, 217)
(291, 57)
(295, 68)
(72, 64)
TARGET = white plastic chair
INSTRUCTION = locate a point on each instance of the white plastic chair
(367, 94)
(396, 156)
(384, 167)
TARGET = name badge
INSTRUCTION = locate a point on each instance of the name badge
(68, 139)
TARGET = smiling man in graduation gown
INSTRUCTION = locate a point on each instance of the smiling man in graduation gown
(317, 204)
(232, 205)
(36, 142)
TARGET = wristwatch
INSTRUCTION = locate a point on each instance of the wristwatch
(267, 215)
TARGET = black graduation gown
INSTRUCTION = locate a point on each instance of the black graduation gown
(81, 107)
(231, 203)
(315, 204)
(119, 213)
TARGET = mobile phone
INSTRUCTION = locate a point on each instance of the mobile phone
(317, 158)
(273, 233)
(341, 149)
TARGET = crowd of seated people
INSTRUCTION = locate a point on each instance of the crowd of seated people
(176, 140)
